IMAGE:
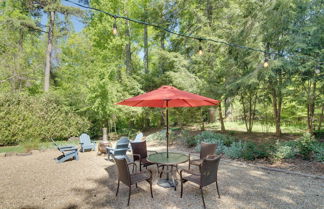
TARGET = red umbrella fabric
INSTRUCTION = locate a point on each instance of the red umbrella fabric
(168, 96)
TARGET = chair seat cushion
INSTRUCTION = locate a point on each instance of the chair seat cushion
(196, 162)
(193, 178)
(138, 177)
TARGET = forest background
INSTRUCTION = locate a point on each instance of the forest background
(56, 82)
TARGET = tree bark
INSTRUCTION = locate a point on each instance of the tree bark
(47, 72)
(146, 61)
(311, 106)
(128, 52)
(221, 119)
(321, 119)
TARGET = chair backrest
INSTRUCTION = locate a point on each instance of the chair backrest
(139, 148)
(207, 149)
(123, 170)
(138, 137)
(55, 143)
(122, 143)
(85, 139)
(208, 170)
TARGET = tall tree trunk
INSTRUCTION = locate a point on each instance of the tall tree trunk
(47, 72)
(276, 110)
(128, 52)
(209, 10)
(311, 106)
(221, 119)
(146, 61)
(321, 119)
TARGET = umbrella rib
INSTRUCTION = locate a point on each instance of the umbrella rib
(187, 102)
(138, 103)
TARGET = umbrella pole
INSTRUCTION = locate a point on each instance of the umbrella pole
(167, 130)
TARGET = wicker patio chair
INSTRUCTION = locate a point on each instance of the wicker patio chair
(140, 153)
(205, 150)
(207, 175)
(130, 179)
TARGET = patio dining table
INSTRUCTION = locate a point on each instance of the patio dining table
(171, 163)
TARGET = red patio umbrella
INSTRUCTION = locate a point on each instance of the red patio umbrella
(168, 96)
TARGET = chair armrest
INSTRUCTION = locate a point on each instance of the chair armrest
(189, 171)
(134, 164)
(138, 155)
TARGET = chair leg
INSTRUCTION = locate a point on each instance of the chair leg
(217, 189)
(129, 194)
(162, 171)
(136, 185)
(181, 188)
(151, 188)
(202, 196)
(117, 189)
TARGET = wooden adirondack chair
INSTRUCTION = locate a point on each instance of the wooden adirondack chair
(86, 143)
(68, 152)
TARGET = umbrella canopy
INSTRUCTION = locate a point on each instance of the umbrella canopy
(168, 96)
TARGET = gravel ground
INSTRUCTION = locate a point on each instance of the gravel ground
(37, 181)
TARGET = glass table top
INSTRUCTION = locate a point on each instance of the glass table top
(174, 158)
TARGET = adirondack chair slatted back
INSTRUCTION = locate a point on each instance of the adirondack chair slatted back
(85, 139)
(122, 143)
(138, 137)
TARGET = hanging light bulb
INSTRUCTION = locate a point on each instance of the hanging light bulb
(200, 49)
(115, 27)
(266, 63)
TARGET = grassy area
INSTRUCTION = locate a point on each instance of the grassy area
(257, 127)
(42, 146)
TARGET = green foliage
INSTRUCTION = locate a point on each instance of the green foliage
(29, 119)
(235, 150)
(318, 149)
(253, 151)
(211, 137)
(305, 145)
(283, 151)
(161, 136)
(189, 140)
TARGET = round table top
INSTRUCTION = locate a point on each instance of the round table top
(173, 159)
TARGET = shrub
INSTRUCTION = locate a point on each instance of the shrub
(318, 149)
(282, 151)
(305, 145)
(211, 137)
(188, 139)
(220, 146)
(253, 151)
(235, 150)
(161, 136)
(28, 119)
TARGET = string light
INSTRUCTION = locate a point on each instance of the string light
(115, 27)
(266, 63)
(200, 50)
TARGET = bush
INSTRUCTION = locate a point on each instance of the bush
(188, 139)
(318, 149)
(305, 145)
(235, 150)
(283, 151)
(211, 137)
(161, 136)
(28, 119)
(220, 146)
